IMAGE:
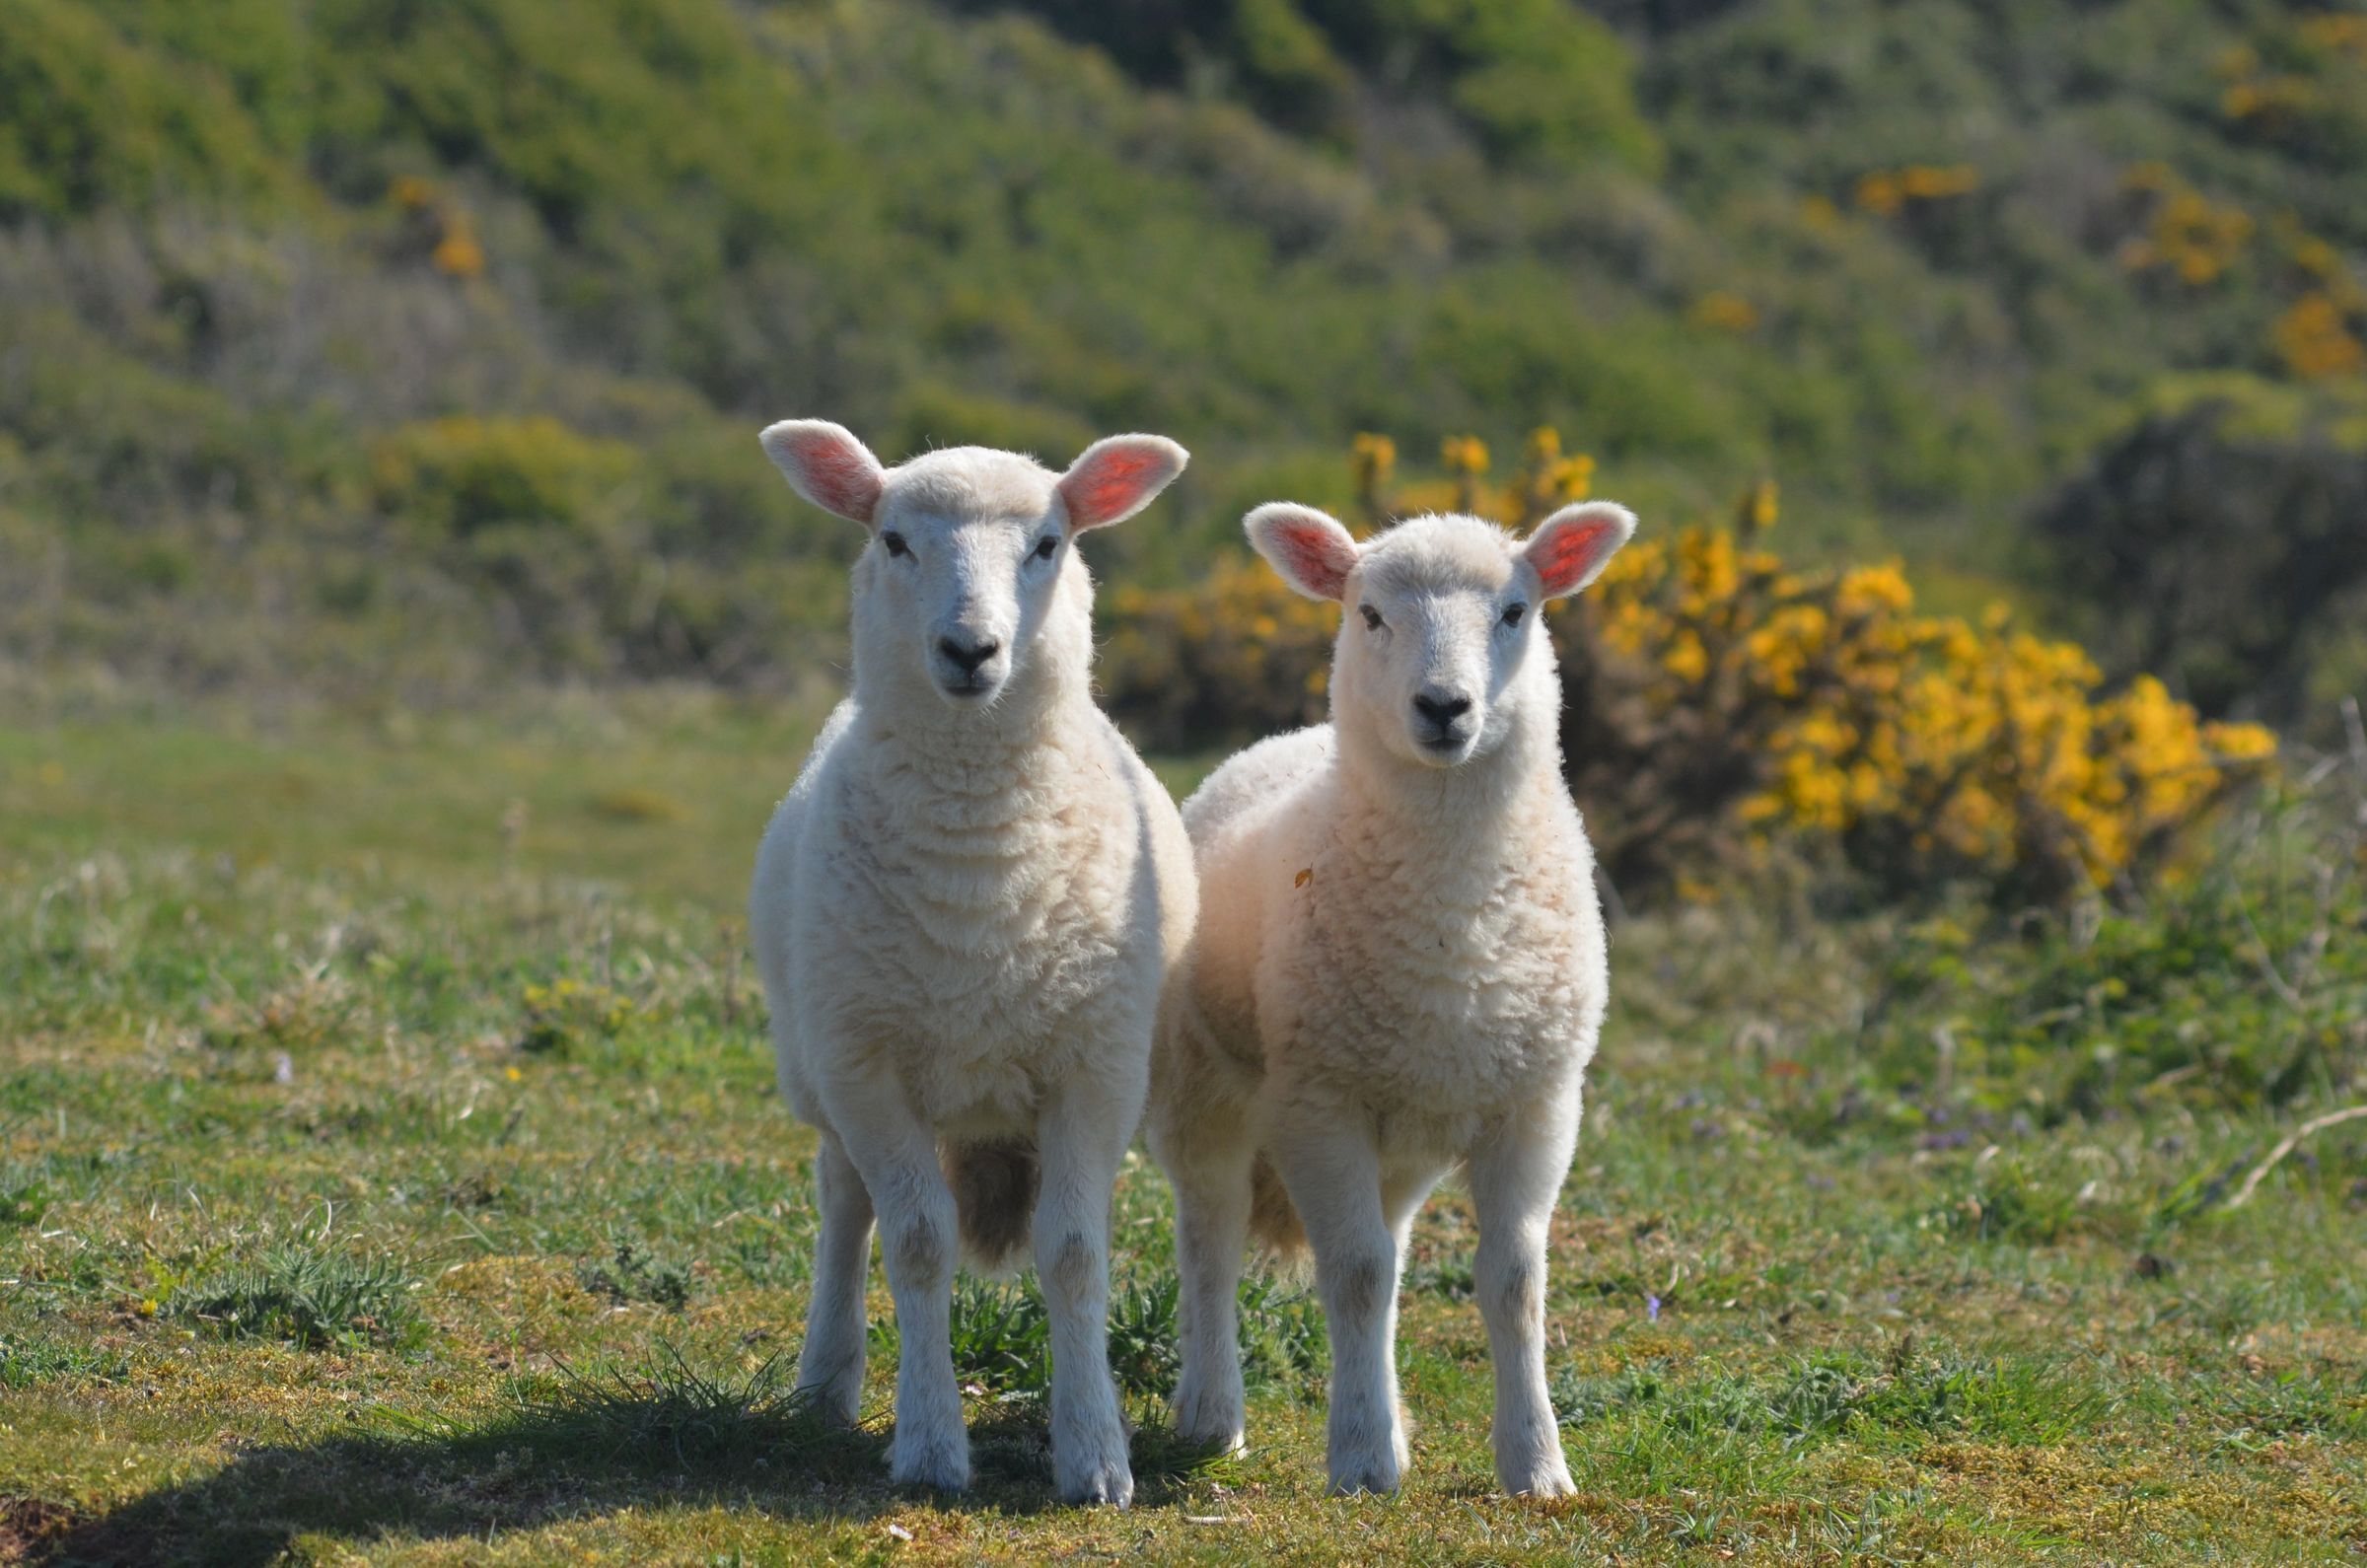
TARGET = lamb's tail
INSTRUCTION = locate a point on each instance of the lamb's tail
(994, 1195)
(1274, 1220)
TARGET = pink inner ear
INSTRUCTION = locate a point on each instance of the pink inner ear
(1566, 559)
(1110, 486)
(840, 477)
(1313, 556)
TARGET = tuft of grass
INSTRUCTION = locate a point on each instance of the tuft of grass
(1002, 1337)
(23, 1195)
(631, 1273)
(27, 1360)
(670, 1412)
(311, 1297)
(1992, 1399)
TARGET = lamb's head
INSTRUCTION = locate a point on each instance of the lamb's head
(1441, 643)
(970, 571)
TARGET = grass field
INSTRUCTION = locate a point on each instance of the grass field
(389, 1170)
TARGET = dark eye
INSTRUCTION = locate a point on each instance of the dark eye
(1513, 613)
(1046, 545)
(894, 544)
(1371, 617)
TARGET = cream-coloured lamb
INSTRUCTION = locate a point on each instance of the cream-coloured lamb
(1402, 968)
(964, 912)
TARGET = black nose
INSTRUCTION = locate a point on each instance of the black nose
(1442, 712)
(976, 654)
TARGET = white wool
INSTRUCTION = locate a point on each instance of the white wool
(1403, 968)
(964, 912)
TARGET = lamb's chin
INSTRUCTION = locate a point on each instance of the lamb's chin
(1424, 754)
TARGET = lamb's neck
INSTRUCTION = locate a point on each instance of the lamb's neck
(971, 759)
(1453, 812)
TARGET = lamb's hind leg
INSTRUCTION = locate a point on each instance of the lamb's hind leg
(897, 1156)
(1333, 1174)
(1081, 1136)
(1516, 1180)
(829, 1370)
(1209, 1165)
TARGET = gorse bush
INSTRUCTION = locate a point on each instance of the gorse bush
(1718, 697)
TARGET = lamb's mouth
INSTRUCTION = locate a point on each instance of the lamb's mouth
(970, 689)
(1448, 747)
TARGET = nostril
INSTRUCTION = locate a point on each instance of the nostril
(968, 658)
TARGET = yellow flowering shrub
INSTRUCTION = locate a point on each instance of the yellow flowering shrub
(1719, 698)
(1234, 657)
(1885, 193)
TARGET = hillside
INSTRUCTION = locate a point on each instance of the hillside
(355, 347)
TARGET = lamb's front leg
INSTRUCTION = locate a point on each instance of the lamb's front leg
(829, 1369)
(896, 1153)
(1081, 1136)
(1516, 1180)
(1333, 1174)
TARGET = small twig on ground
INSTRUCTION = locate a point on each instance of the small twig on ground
(2292, 1141)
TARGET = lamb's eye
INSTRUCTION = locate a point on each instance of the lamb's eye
(1046, 545)
(894, 544)
(1372, 617)
(1513, 613)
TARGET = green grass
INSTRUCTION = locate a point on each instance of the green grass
(379, 1183)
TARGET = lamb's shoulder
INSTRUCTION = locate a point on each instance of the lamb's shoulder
(772, 888)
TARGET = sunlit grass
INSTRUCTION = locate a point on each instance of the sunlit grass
(440, 1209)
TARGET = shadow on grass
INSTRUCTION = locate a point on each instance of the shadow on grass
(591, 1446)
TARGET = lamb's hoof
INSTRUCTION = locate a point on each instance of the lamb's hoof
(1546, 1480)
(835, 1410)
(1210, 1420)
(1377, 1475)
(1094, 1470)
(927, 1460)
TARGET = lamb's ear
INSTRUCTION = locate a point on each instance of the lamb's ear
(829, 466)
(1575, 543)
(1116, 478)
(1310, 548)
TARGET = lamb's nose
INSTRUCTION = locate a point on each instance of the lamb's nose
(1441, 711)
(973, 656)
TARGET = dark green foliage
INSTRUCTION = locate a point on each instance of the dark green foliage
(2218, 544)
(312, 1296)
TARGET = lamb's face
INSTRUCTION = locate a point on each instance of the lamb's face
(970, 555)
(1442, 617)
(966, 561)
(1438, 623)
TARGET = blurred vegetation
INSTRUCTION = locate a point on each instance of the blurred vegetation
(356, 349)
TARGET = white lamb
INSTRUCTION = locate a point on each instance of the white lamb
(1403, 968)
(964, 912)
